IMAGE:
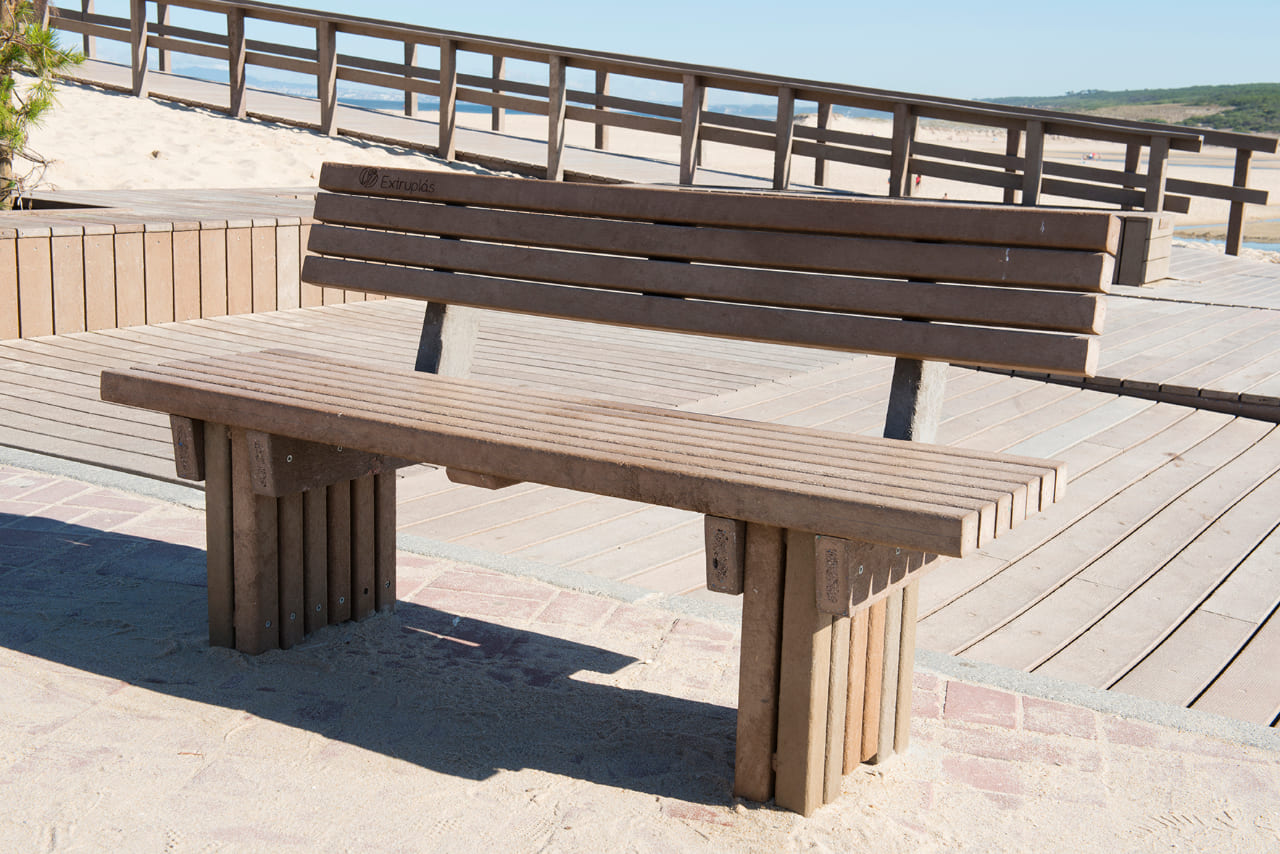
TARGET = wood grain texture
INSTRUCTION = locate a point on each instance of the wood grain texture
(255, 554)
(804, 682)
(717, 466)
(760, 654)
(219, 537)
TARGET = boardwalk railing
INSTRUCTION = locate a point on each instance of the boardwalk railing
(1022, 172)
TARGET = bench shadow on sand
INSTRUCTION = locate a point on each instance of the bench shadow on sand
(461, 697)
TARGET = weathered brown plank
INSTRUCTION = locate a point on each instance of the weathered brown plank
(188, 447)
(213, 271)
(157, 255)
(837, 707)
(315, 574)
(364, 551)
(255, 555)
(186, 274)
(725, 553)
(1075, 229)
(906, 666)
(68, 283)
(292, 615)
(760, 652)
(131, 295)
(239, 265)
(9, 313)
(874, 681)
(384, 490)
(857, 686)
(35, 286)
(219, 536)
(804, 681)
(263, 253)
(338, 562)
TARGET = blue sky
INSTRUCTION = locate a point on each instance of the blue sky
(977, 49)
(980, 48)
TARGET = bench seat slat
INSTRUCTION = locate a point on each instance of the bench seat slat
(917, 220)
(970, 345)
(980, 304)
(934, 261)
(716, 488)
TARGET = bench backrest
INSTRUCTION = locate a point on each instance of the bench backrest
(969, 284)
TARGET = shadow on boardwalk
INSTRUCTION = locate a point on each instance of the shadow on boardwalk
(458, 696)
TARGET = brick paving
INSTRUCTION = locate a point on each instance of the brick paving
(623, 705)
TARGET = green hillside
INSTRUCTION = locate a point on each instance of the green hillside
(1248, 107)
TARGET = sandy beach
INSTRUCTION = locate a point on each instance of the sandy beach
(493, 712)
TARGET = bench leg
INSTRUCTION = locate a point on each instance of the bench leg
(281, 568)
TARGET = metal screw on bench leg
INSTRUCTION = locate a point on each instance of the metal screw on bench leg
(293, 617)
(268, 625)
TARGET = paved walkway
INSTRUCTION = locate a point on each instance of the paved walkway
(519, 716)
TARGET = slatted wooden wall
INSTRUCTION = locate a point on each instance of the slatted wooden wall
(61, 279)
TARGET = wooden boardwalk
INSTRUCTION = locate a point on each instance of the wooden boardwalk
(1159, 575)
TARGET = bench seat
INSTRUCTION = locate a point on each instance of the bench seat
(929, 498)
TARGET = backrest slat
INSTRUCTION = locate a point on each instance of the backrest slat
(970, 284)
(869, 217)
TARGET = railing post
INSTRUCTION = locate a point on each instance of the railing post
(1033, 163)
(162, 19)
(1012, 142)
(327, 75)
(820, 162)
(1235, 220)
(1157, 159)
(1132, 159)
(784, 137)
(904, 134)
(235, 60)
(410, 96)
(498, 115)
(90, 42)
(138, 45)
(557, 93)
(602, 92)
(695, 100)
(447, 146)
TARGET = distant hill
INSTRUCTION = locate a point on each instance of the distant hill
(1247, 107)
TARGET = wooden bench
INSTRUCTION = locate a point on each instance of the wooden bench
(825, 534)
